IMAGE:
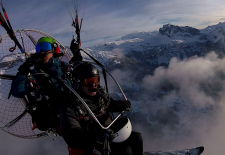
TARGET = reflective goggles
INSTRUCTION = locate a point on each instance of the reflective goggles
(43, 46)
(89, 81)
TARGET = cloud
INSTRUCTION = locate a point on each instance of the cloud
(120, 76)
(191, 77)
(184, 105)
(118, 52)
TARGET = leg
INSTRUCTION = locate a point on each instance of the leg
(135, 142)
(80, 140)
(132, 146)
(72, 131)
(121, 149)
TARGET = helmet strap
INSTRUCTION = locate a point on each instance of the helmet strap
(76, 84)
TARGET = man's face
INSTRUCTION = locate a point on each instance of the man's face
(47, 56)
(45, 49)
(89, 86)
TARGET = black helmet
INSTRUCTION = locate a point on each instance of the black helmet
(85, 70)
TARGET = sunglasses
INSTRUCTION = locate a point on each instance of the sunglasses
(89, 81)
(43, 46)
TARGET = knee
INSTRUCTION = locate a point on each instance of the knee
(77, 139)
(128, 151)
(74, 139)
(136, 136)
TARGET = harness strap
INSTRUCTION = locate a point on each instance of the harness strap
(85, 116)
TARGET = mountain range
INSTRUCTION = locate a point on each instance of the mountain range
(153, 49)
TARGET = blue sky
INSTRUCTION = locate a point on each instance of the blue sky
(108, 20)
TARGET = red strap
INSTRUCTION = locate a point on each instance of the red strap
(102, 112)
(6, 17)
(59, 130)
(35, 125)
(80, 117)
(75, 151)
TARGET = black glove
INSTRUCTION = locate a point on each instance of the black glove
(25, 68)
(31, 61)
(124, 106)
(74, 47)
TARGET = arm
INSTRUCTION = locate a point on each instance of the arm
(20, 85)
(119, 105)
(112, 105)
(66, 67)
(75, 49)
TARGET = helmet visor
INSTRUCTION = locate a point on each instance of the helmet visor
(43, 46)
(89, 81)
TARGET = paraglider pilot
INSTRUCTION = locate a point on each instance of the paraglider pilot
(78, 129)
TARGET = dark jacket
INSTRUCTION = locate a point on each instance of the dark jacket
(21, 84)
(45, 94)
(75, 115)
(79, 129)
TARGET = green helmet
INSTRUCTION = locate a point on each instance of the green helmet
(46, 39)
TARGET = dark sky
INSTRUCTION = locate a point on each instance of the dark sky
(109, 20)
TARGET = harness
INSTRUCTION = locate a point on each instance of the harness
(97, 108)
(43, 107)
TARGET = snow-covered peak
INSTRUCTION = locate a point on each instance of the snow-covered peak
(141, 34)
(215, 32)
(213, 28)
(117, 43)
(173, 30)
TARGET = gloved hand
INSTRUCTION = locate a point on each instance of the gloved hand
(31, 61)
(25, 67)
(124, 106)
(74, 47)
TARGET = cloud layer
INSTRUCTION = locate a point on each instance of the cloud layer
(186, 101)
(183, 104)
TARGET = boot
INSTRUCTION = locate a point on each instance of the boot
(96, 152)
